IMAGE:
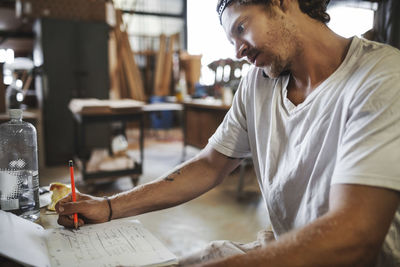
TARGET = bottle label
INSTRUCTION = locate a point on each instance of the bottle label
(9, 190)
(9, 204)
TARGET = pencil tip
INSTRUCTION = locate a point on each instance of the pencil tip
(71, 163)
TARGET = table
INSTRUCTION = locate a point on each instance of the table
(200, 122)
(90, 111)
(28, 116)
(83, 120)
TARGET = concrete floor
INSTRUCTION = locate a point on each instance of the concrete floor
(187, 228)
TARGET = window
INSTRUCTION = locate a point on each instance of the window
(351, 18)
(206, 36)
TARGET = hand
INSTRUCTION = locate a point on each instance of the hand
(265, 237)
(90, 210)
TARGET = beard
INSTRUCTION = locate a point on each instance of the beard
(277, 55)
(275, 69)
(283, 73)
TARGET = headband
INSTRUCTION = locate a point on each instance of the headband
(222, 7)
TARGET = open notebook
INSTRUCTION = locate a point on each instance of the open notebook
(123, 242)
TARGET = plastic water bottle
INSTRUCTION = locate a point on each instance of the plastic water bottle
(19, 179)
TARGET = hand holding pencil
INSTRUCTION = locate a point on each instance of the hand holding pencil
(77, 209)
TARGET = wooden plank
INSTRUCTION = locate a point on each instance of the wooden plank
(166, 80)
(97, 106)
(123, 86)
(191, 64)
(120, 76)
(27, 83)
(130, 80)
(127, 65)
(149, 73)
(113, 60)
(132, 71)
(134, 81)
(160, 61)
(124, 91)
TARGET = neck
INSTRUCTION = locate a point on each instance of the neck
(319, 54)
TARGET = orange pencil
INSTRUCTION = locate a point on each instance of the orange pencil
(71, 171)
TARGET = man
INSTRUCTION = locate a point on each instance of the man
(320, 114)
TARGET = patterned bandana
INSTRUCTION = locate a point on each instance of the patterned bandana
(222, 7)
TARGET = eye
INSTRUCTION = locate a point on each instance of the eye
(240, 28)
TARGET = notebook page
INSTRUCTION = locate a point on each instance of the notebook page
(116, 243)
(22, 240)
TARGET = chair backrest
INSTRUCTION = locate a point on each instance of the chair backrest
(228, 71)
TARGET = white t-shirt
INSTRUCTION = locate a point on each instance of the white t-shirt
(347, 131)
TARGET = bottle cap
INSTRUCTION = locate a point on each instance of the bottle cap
(15, 114)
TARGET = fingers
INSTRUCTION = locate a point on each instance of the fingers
(90, 209)
(68, 221)
(265, 237)
(68, 208)
(80, 196)
(68, 199)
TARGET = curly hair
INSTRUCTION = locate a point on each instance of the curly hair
(316, 9)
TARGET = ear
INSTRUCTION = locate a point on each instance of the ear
(285, 4)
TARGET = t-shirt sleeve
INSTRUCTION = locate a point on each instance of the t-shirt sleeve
(369, 151)
(231, 138)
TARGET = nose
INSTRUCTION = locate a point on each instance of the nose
(241, 49)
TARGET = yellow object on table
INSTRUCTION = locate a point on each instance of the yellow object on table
(59, 190)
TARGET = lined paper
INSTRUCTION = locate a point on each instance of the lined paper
(123, 242)
(117, 243)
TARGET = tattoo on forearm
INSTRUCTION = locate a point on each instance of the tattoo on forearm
(169, 178)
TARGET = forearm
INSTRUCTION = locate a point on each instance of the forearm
(184, 183)
(326, 242)
(351, 233)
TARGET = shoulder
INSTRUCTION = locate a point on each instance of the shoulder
(378, 58)
(373, 70)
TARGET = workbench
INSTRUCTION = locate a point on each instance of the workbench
(91, 111)
(200, 120)
(82, 121)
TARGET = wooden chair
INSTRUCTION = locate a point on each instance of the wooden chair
(228, 71)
